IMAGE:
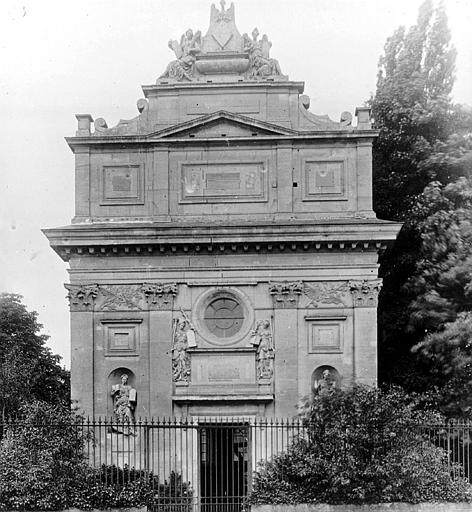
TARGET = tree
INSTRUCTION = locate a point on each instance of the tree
(423, 137)
(411, 108)
(28, 369)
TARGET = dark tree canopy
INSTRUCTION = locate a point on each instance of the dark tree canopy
(29, 371)
(422, 168)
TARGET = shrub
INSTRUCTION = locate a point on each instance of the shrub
(42, 467)
(361, 446)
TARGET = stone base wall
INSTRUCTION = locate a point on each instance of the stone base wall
(380, 507)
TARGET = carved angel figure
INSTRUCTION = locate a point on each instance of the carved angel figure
(260, 64)
(261, 337)
(185, 51)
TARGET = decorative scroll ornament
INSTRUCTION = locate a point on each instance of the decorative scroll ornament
(365, 293)
(182, 339)
(285, 294)
(82, 297)
(121, 297)
(159, 295)
(184, 67)
(261, 337)
(260, 63)
(325, 293)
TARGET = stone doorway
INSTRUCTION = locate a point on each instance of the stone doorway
(224, 463)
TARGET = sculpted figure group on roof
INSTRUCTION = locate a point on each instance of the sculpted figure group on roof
(223, 41)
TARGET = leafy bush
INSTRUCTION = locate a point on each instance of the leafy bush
(42, 467)
(361, 446)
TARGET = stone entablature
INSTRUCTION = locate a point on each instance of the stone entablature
(121, 297)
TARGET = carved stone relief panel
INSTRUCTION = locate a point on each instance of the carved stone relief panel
(216, 182)
(121, 297)
(285, 294)
(325, 293)
(365, 293)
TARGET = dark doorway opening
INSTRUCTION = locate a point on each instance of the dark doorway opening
(224, 460)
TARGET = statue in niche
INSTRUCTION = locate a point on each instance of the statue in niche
(261, 337)
(326, 385)
(184, 67)
(260, 64)
(183, 338)
(124, 400)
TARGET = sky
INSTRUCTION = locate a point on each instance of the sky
(59, 58)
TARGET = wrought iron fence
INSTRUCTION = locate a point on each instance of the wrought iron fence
(206, 464)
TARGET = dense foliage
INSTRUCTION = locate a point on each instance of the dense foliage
(362, 446)
(422, 171)
(42, 467)
(29, 371)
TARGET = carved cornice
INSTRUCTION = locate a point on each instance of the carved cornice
(365, 293)
(285, 294)
(121, 297)
(329, 293)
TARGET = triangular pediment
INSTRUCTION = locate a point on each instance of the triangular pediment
(222, 124)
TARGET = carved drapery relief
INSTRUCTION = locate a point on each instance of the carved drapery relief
(183, 337)
(82, 297)
(285, 294)
(365, 293)
(261, 337)
(325, 293)
(160, 296)
(121, 297)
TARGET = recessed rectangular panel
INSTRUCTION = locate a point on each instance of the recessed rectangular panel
(214, 182)
(223, 368)
(121, 337)
(122, 184)
(324, 180)
(325, 336)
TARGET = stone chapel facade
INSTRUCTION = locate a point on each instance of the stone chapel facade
(224, 250)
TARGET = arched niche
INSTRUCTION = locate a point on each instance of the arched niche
(323, 382)
(115, 378)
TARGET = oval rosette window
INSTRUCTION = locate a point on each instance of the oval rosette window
(223, 317)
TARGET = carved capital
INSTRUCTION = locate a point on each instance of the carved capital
(159, 295)
(285, 294)
(82, 296)
(365, 293)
